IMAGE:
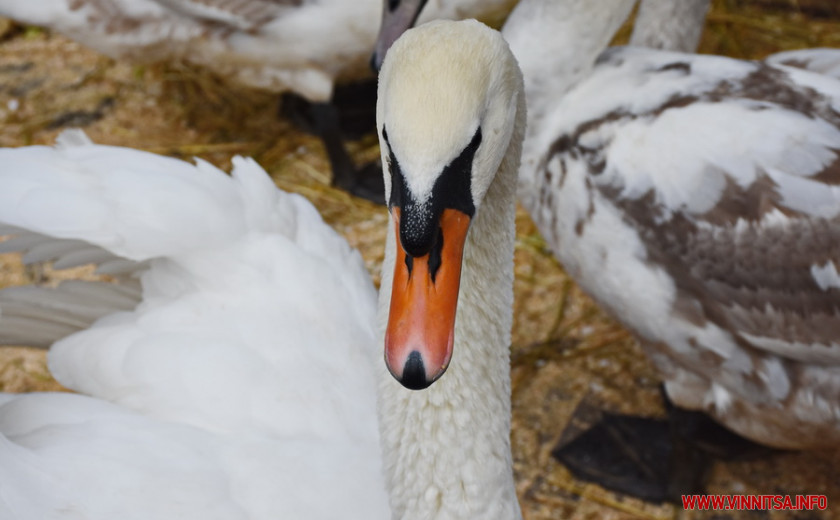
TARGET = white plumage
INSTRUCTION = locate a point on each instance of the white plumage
(240, 386)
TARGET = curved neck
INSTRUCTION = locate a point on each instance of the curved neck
(556, 43)
(446, 449)
(673, 25)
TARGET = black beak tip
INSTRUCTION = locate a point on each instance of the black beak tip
(414, 373)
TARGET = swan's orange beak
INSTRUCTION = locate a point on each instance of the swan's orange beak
(424, 297)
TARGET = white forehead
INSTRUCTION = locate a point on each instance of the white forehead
(433, 94)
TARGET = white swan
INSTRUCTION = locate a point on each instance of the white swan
(696, 198)
(450, 116)
(243, 383)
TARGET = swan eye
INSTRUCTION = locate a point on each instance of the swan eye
(393, 4)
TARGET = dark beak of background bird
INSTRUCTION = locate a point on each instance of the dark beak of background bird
(397, 17)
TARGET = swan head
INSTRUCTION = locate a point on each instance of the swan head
(397, 17)
(446, 111)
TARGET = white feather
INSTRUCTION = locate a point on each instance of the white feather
(240, 386)
(826, 276)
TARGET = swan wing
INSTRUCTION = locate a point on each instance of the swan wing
(242, 15)
(148, 29)
(820, 60)
(144, 30)
(240, 282)
(702, 206)
(131, 204)
(276, 45)
(40, 316)
(70, 455)
(67, 455)
(233, 379)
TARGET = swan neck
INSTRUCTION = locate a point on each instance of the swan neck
(446, 449)
(556, 43)
(670, 25)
